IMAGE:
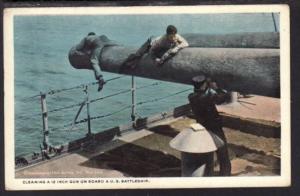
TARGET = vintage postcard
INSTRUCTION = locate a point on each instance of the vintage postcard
(147, 97)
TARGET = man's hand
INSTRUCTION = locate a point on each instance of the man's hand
(159, 61)
(213, 85)
(166, 56)
(174, 51)
(101, 82)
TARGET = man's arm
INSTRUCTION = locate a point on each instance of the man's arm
(97, 70)
(95, 63)
(182, 43)
(219, 96)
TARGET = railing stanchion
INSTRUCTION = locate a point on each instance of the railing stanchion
(45, 121)
(88, 111)
(133, 99)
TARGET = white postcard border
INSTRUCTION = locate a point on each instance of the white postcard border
(111, 183)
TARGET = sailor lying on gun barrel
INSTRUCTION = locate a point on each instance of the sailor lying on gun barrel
(92, 45)
(160, 48)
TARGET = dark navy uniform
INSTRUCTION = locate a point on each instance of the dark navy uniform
(203, 104)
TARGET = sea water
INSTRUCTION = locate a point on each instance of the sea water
(41, 45)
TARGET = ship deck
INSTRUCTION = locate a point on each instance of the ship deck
(252, 129)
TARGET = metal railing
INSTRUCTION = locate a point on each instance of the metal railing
(86, 103)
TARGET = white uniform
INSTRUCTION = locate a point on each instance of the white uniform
(163, 47)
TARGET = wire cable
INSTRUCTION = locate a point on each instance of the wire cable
(92, 118)
(52, 92)
(122, 109)
(125, 91)
(161, 98)
(91, 101)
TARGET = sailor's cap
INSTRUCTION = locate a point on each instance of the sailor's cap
(198, 80)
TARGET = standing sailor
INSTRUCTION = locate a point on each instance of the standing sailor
(203, 103)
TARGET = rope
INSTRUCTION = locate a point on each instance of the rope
(51, 92)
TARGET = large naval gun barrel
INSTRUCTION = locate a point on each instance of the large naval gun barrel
(234, 40)
(248, 70)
